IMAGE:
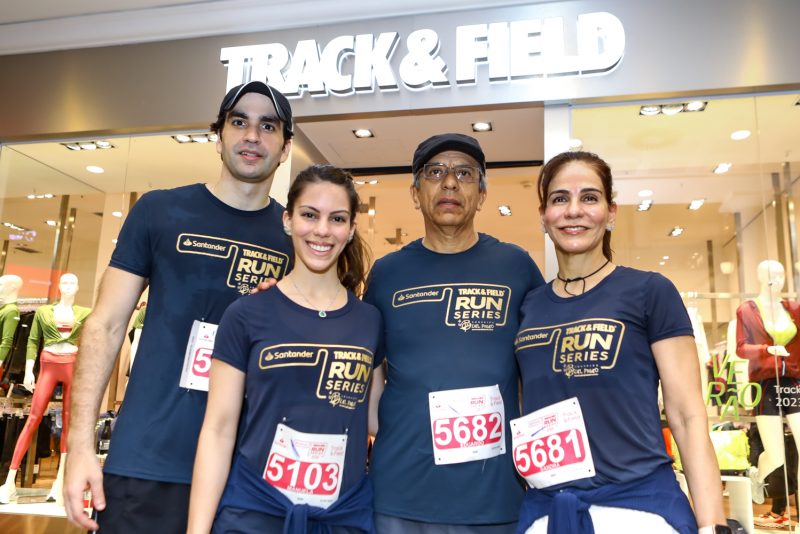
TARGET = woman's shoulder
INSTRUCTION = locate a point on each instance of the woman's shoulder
(630, 276)
(537, 294)
(650, 288)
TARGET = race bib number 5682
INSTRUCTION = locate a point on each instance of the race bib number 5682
(455, 432)
(467, 424)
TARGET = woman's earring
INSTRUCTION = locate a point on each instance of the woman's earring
(287, 230)
(609, 227)
(350, 239)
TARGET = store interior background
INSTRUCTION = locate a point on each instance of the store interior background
(672, 156)
(747, 213)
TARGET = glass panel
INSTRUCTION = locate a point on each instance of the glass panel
(37, 212)
(62, 210)
(733, 253)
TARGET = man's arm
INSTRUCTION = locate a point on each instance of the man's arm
(100, 342)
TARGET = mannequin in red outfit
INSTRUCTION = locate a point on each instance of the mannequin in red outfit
(57, 326)
(767, 336)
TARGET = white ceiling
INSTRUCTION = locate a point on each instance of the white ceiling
(38, 26)
(15, 12)
(518, 136)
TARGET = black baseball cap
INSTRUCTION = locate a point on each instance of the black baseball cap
(448, 141)
(281, 103)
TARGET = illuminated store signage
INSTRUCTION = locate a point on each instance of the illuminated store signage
(524, 49)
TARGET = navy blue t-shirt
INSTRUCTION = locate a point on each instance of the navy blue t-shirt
(450, 322)
(308, 373)
(596, 347)
(199, 255)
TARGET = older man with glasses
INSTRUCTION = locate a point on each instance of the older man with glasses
(442, 455)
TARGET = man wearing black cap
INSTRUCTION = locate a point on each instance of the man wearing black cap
(442, 456)
(198, 248)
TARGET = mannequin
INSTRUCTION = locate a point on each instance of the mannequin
(9, 314)
(58, 326)
(767, 335)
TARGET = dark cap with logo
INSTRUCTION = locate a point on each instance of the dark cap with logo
(281, 103)
(448, 141)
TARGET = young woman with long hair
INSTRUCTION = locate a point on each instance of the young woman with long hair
(283, 446)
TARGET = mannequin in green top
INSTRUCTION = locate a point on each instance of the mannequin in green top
(9, 314)
(58, 327)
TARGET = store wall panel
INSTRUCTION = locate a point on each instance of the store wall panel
(671, 46)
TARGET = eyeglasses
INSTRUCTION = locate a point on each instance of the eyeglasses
(436, 172)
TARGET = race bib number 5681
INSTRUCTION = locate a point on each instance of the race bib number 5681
(551, 446)
(559, 449)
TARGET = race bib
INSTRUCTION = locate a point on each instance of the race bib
(307, 468)
(551, 446)
(197, 360)
(467, 424)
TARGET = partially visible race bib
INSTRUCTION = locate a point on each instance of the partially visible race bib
(197, 360)
(467, 424)
(551, 446)
(307, 468)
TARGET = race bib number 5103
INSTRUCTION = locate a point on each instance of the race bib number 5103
(307, 468)
(321, 478)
